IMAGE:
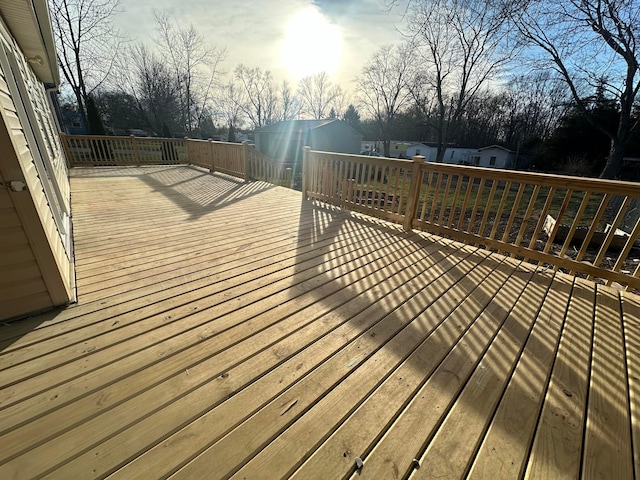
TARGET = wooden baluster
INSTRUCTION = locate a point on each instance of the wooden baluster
(456, 196)
(476, 205)
(633, 236)
(556, 227)
(436, 193)
(527, 215)
(445, 199)
(574, 226)
(425, 198)
(612, 231)
(512, 216)
(503, 202)
(487, 208)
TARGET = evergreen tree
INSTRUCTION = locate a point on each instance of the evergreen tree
(352, 117)
(96, 127)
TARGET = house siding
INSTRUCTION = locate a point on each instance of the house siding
(35, 252)
(503, 158)
(336, 137)
(284, 140)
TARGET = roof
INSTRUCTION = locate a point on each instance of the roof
(295, 125)
(29, 23)
(496, 146)
(421, 144)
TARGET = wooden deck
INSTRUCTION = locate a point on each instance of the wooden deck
(229, 329)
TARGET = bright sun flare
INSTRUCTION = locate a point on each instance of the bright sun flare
(311, 44)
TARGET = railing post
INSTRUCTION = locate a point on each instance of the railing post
(65, 146)
(247, 164)
(414, 193)
(186, 149)
(212, 168)
(136, 150)
(305, 171)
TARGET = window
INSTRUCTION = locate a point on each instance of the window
(417, 151)
(492, 161)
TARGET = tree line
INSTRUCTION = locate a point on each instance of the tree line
(558, 79)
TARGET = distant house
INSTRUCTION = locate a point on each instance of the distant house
(35, 234)
(495, 156)
(453, 155)
(284, 140)
(427, 150)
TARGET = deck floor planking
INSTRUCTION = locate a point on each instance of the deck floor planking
(230, 329)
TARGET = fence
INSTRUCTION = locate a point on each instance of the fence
(240, 160)
(567, 223)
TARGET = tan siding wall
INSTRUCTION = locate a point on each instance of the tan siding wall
(36, 268)
(21, 282)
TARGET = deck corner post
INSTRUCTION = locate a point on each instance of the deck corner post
(136, 150)
(186, 149)
(64, 139)
(288, 178)
(305, 171)
(247, 163)
(212, 167)
(414, 193)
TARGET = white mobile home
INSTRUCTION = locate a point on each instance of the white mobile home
(495, 156)
(36, 258)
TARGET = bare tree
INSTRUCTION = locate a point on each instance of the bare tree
(591, 44)
(195, 66)
(228, 106)
(87, 44)
(318, 95)
(533, 104)
(459, 44)
(258, 95)
(383, 88)
(154, 87)
(289, 103)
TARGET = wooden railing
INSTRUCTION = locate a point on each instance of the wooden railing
(582, 226)
(240, 160)
(97, 150)
(264, 168)
(217, 156)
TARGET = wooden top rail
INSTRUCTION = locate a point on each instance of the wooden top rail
(615, 187)
(583, 226)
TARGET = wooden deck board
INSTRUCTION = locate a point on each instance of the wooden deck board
(228, 328)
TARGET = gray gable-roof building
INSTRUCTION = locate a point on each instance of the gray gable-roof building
(283, 141)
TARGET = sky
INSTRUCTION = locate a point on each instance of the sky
(291, 38)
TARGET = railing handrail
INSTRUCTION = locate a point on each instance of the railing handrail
(616, 187)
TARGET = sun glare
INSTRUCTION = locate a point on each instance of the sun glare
(311, 44)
